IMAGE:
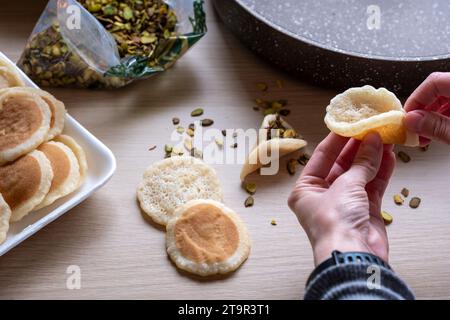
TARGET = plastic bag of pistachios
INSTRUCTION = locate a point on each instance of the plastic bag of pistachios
(109, 43)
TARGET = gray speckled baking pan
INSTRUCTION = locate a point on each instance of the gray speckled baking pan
(344, 43)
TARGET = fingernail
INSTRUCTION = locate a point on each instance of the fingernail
(373, 139)
(414, 120)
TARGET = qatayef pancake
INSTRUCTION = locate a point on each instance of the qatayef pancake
(5, 215)
(280, 136)
(9, 77)
(206, 238)
(172, 182)
(25, 182)
(24, 123)
(79, 153)
(66, 171)
(57, 108)
(359, 110)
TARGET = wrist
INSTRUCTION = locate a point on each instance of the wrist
(323, 248)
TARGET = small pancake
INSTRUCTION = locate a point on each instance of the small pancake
(268, 150)
(24, 123)
(171, 182)
(358, 111)
(66, 171)
(5, 215)
(9, 77)
(79, 153)
(25, 182)
(57, 109)
(206, 238)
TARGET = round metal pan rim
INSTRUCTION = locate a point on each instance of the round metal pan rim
(341, 51)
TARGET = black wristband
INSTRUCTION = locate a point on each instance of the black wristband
(339, 258)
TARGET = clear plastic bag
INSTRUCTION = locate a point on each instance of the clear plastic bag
(72, 47)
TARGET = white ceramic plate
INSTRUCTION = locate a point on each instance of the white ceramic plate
(102, 165)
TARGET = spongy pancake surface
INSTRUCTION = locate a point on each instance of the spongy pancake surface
(357, 111)
(171, 182)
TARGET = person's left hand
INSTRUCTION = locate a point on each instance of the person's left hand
(337, 198)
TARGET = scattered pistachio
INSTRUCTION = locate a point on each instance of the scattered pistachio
(259, 102)
(191, 126)
(414, 202)
(197, 112)
(292, 166)
(404, 156)
(249, 202)
(405, 192)
(206, 122)
(262, 86)
(276, 106)
(250, 187)
(234, 145)
(387, 218)
(177, 151)
(180, 129)
(224, 133)
(273, 222)
(303, 160)
(284, 112)
(176, 121)
(272, 107)
(289, 133)
(219, 142)
(235, 134)
(398, 199)
(190, 132)
(152, 148)
(168, 148)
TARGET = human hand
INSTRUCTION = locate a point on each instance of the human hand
(428, 109)
(337, 198)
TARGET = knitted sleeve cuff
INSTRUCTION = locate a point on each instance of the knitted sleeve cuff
(357, 282)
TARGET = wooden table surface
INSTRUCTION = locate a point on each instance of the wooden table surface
(121, 255)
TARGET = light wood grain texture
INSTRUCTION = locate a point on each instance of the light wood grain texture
(123, 256)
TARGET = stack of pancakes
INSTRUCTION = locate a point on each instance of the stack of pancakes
(204, 237)
(38, 165)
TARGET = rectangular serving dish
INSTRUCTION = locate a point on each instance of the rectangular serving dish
(101, 162)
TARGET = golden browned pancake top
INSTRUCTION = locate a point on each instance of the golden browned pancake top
(19, 119)
(20, 180)
(59, 161)
(205, 234)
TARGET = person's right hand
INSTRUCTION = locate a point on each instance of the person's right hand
(428, 109)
